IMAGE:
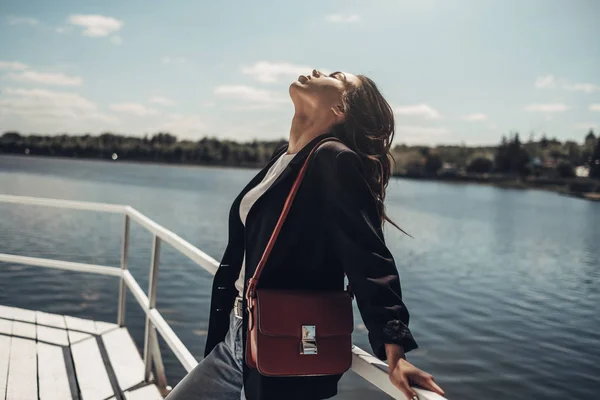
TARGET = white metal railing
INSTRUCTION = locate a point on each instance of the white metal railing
(364, 364)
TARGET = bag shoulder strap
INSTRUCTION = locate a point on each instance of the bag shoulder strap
(251, 291)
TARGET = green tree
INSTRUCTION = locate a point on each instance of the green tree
(573, 152)
(511, 157)
(565, 170)
(590, 139)
(595, 162)
(433, 163)
(480, 165)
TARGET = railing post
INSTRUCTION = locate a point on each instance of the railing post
(122, 285)
(151, 349)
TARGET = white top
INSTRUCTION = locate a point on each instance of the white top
(251, 197)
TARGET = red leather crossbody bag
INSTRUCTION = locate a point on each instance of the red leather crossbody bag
(297, 332)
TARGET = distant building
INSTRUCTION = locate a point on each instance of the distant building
(447, 169)
(582, 172)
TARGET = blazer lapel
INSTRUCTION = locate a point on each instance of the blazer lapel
(292, 168)
(253, 182)
(294, 165)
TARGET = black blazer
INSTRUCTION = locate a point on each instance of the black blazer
(332, 228)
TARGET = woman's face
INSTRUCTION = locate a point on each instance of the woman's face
(320, 90)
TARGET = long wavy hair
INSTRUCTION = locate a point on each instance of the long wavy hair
(368, 129)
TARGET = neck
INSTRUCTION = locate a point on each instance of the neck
(304, 129)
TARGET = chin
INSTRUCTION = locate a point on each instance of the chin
(294, 87)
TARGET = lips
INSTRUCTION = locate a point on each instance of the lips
(302, 79)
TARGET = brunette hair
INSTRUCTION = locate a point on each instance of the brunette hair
(368, 129)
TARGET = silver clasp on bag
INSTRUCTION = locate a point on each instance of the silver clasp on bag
(309, 340)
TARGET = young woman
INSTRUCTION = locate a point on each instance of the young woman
(334, 227)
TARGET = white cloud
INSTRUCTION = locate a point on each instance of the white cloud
(22, 21)
(337, 18)
(137, 109)
(96, 25)
(184, 125)
(547, 81)
(418, 110)
(174, 60)
(550, 82)
(582, 87)
(475, 117)
(46, 78)
(268, 72)
(161, 100)
(59, 107)
(248, 93)
(13, 65)
(546, 108)
(116, 40)
(594, 107)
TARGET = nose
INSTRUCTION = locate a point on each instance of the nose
(316, 73)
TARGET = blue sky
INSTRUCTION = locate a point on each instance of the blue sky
(454, 71)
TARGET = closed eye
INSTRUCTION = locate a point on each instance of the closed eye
(338, 75)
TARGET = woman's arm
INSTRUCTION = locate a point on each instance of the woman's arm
(358, 242)
(403, 374)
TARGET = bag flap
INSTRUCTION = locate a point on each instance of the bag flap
(284, 312)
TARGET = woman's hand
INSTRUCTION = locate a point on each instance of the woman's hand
(403, 373)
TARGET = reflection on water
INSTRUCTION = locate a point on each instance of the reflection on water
(503, 286)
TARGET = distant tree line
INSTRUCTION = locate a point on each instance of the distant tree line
(545, 157)
(161, 147)
(510, 157)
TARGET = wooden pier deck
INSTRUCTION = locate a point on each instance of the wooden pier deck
(56, 357)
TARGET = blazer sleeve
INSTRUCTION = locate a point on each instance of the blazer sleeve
(358, 242)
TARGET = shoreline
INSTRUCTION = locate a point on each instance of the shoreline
(571, 187)
(558, 185)
(141, 162)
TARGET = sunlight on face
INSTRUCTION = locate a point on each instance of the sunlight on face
(321, 90)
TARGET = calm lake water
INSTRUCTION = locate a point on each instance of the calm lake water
(503, 286)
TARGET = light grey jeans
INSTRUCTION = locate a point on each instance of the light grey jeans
(219, 376)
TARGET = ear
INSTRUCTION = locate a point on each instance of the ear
(338, 110)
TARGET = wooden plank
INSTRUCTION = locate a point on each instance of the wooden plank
(81, 325)
(75, 336)
(4, 357)
(6, 312)
(91, 373)
(52, 372)
(23, 329)
(124, 358)
(52, 335)
(55, 320)
(18, 314)
(5, 328)
(103, 327)
(149, 392)
(22, 372)
(79, 328)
